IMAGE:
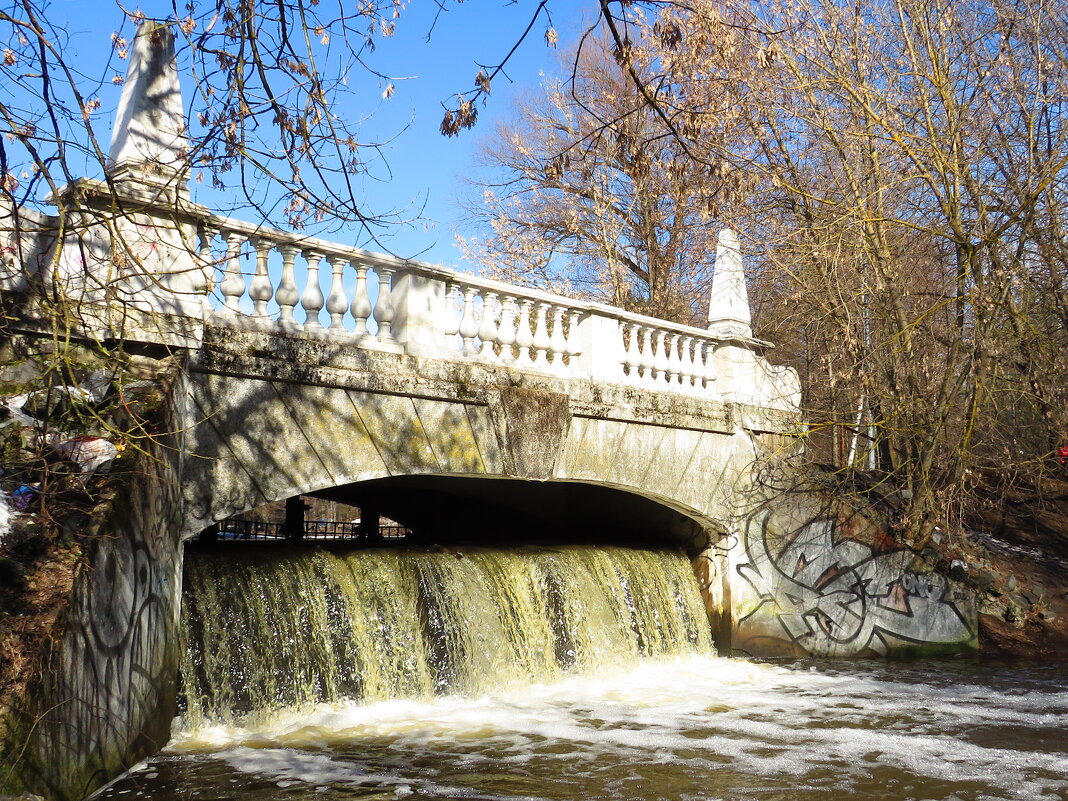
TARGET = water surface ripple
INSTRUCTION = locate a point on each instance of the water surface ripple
(695, 727)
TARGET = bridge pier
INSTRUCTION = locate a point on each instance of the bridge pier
(295, 521)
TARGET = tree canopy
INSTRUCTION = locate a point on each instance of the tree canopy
(898, 171)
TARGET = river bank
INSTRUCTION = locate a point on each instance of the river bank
(1020, 572)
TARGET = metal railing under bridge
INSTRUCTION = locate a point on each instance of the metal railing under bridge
(239, 530)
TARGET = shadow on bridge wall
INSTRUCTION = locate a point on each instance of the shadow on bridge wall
(106, 693)
(251, 441)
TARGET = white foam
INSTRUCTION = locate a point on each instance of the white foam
(286, 763)
(766, 720)
(289, 767)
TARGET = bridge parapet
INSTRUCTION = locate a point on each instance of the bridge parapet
(178, 266)
(141, 261)
(380, 302)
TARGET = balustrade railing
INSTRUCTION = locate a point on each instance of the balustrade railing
(275, 280)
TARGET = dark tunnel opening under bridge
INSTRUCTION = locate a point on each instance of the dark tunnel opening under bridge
(506, 512)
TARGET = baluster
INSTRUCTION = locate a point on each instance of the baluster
(451, 323)
(361, 301)
(660, 357)
(204, 282)
(710, 364)
(312, 300)
(506, 329)
(633, 356)
(541, 335)
(233, 285)
(674, 362)
(287, 295)
(260, 289)
(648, 359)
(468, 323)
(557, 340)
(384, 307)
(699, 370)
(686, 370)
(337, 303)
(487, 331)
(574, 344)
(524, 337)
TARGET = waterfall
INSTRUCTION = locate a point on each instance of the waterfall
(267, 629)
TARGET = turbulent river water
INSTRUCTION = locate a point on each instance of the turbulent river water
(615, 694)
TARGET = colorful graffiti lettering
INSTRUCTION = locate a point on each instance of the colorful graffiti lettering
(823, 595)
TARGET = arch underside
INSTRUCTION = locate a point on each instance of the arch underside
(520, 465)
(498, 510)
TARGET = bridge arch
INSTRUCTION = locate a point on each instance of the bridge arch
(533, 455)
(502, 510)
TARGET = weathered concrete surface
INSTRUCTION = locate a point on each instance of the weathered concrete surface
(812, 576)
(107, 694)
(270, 416)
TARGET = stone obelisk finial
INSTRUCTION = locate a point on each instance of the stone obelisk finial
(728, 305)
(148, 142)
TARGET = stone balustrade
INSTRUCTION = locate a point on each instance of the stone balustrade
(270, 279)
(235, 274)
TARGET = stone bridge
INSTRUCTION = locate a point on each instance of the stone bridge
(460, 406)
(470, 402)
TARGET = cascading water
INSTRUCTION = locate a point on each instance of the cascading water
(267, 631)
(556, 675)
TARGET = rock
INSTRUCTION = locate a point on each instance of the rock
(57, 403)
(987, 580)
(958, 570)
(1011, 583)
(11, 572)
(146, 367)
(1031, 594)
(1012, 613)
(20, 373)
(988, 606)
(97, 384)
(1047, 616)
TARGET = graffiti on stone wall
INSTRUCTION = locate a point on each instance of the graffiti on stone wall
(109, 690)
(823, 595)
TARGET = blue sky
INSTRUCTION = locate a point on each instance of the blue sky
(426, 170)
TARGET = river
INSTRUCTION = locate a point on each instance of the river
(697, 727)
(477, 682)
